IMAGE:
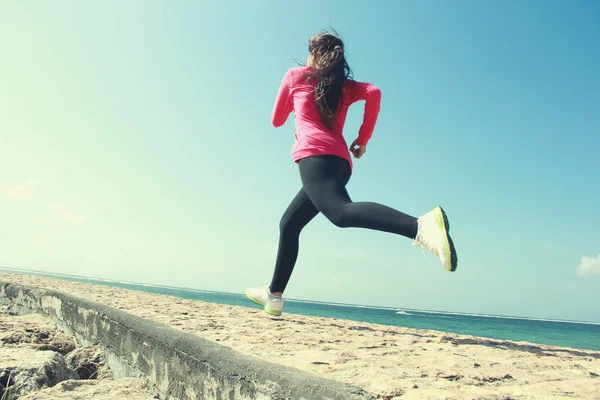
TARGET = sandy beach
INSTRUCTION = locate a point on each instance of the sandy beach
(391, 362)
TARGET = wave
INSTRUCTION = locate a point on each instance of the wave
(322, 303)
(566, 321)
(403, 313)
(327, 303)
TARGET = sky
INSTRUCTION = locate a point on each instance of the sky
(136, 144)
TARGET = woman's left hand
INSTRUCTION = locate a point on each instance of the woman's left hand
(357, 150)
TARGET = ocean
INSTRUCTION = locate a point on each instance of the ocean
(580, 335)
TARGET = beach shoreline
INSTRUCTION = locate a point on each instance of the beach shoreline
(384, 360)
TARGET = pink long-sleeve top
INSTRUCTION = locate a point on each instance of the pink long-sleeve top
(312, 136)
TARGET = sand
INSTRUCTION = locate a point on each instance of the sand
(391, 362)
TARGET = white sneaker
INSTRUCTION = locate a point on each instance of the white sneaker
(433, 235)
(262, 296)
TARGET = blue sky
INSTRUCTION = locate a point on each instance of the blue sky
(135, 144)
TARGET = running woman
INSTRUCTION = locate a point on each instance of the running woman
(319, 94)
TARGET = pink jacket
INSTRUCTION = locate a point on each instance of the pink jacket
(312, 136)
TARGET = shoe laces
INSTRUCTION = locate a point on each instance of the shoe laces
(422, 242)
(419, 242)
(270, 295)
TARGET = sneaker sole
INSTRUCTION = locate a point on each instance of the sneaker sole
(444, 224)
(269, 310)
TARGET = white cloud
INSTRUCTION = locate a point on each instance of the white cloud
(67, 215)
(21, 192)
(589, 266)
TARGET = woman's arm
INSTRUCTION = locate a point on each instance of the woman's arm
(283, 102)
(372, 95)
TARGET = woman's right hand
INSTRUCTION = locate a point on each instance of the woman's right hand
(357, 150)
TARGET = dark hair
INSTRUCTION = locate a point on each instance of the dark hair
(331, 72)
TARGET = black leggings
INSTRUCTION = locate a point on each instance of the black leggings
(324, 180)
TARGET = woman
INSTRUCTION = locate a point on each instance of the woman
(319, 94)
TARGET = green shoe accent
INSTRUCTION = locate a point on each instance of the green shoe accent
(449, 244)
(255, 301)
(272, 312)
(267, 308)
(441, 221)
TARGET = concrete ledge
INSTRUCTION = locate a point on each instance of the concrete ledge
(178, 365)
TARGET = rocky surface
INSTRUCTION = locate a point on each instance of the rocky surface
(33, 331)
(129, 389)
(39, 362)
(88, 363)
(25, 370)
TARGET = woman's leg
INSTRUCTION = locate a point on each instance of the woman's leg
(299, 213)
(324, 180)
